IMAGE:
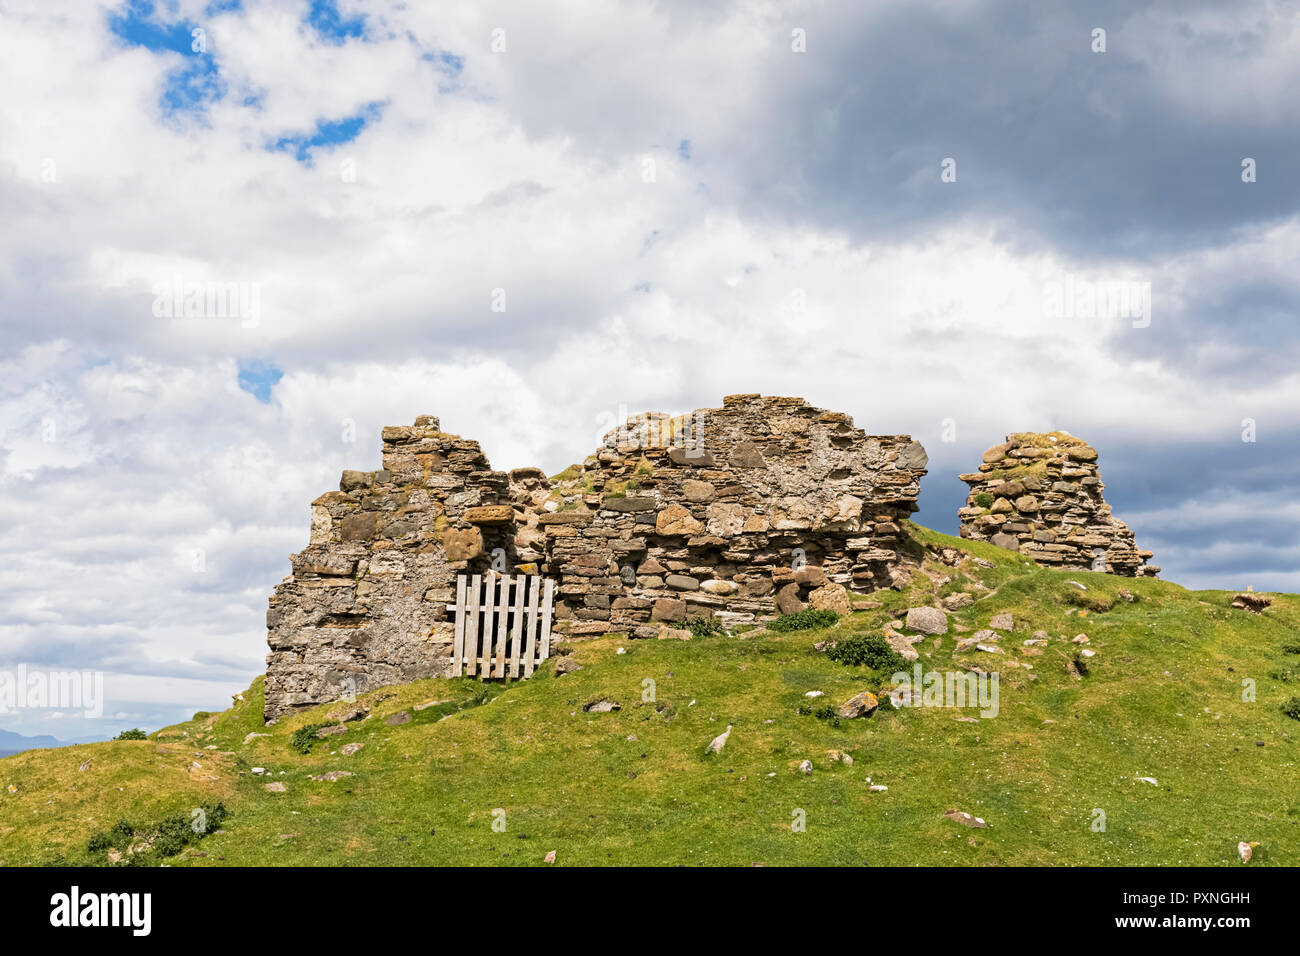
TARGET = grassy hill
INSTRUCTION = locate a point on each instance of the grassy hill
(1162, 698)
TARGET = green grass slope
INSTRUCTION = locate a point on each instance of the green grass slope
(500, 774)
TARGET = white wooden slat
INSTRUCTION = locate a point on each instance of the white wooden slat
(502, 629)
(517, 632)
(458, 648)
(471, 623)
(547, 600)
(489, 625)
(530, 629)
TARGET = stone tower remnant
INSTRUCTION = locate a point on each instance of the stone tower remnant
(1040, 494)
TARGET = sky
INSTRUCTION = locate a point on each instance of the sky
(237, 238)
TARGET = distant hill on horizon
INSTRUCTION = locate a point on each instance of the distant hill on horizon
(12, 743)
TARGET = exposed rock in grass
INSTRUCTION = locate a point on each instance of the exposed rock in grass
(927, 620)
(1002, 622)
(954, 602)
(806, 767)
(566, 665)
(978, 638)
(276, 787)
(965, 819)
(602, 706)
(1251, 601)
(348, 750)
(859, 705)
(902, 645)
(349, 712)
(330, 731)
(399, 718)
(332, 775)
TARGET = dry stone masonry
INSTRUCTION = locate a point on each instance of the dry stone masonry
(1040, 494)
(764, 506)
(365, 604)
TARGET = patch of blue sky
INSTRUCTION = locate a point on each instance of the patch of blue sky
(258, 378)
(684, 149)
(138, 24)
(327, 133)
(332, 26)
(191, 86)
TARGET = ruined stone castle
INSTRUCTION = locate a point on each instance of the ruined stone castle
(764, 506)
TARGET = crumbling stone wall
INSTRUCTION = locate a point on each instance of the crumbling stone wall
(1041, 495)
(365, 604)
(763, 506)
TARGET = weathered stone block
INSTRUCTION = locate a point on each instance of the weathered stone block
(359, 526)
(676, 520)
(463, 544)
(668, 609)
(489, 515)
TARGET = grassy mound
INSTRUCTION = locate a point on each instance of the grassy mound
(494, 774)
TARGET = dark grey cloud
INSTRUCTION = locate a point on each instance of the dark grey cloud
(1089, 153)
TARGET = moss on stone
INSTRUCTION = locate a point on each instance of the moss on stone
(572, 473)
(1031, 466)
(1046, 439)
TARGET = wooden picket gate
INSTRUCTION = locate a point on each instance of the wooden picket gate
(503, 624)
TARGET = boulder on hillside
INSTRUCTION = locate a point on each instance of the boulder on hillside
(859, 705)
(927, 620)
